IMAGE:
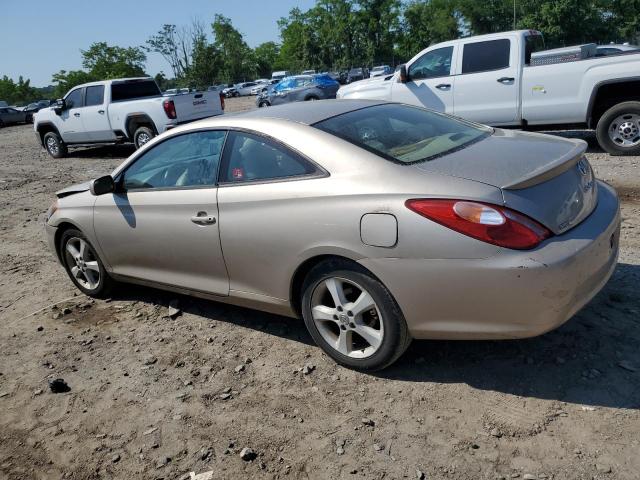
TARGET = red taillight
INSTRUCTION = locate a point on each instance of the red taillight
(169, 108)
(222, 100)
(489, 223)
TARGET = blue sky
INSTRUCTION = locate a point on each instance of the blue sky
(40, 37)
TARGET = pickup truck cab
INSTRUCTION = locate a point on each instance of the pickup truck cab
(492, 79)
(130, 110)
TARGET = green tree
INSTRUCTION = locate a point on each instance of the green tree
(104, 61)
(267, 60)
(65, 81)
(19, 92)
(235, 64)
(425, 23)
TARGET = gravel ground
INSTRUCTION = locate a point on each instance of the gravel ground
(156, 397)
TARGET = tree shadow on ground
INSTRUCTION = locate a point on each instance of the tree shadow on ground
(589, 361)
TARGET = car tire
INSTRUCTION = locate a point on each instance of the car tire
(264, 104)
(337, 329)
(235, 94)
(54, 145)
(142, 135)
(82, 264)
(311, 98)
(1, 124)
(618, 130)
(28, 119)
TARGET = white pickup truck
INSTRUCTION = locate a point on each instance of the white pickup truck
(498, 80)
(118, 111)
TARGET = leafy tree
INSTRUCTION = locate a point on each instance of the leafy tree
(174, 45)
(233, 49)
(105, 62)
(17, 92)
(266, 56)
(205, 64)
(65, 81)
(425, 23)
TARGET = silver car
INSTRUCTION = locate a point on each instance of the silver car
(375, 222)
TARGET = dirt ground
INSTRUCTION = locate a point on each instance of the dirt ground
(156, 398)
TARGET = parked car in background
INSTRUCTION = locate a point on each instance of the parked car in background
(3, 104)
(244, 88)
(356, 74)
(10, 116)
(615, 49)
(382, 222)
(504, 79)
(380, 70)
(264, 87)
(230, 91)
(176, 91)
(279, 75)
(299, 88)
(117, 111)
(308, 72)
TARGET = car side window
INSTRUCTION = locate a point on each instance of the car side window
(433, 64)
(94, 95)
(250, 157)
(188, 160)
(74, 99)
(486, 56)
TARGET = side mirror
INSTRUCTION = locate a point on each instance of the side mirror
(404, 76)
(102, 185)
(59, 106)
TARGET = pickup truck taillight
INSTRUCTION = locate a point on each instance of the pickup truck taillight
(169, 109)
(222, 100)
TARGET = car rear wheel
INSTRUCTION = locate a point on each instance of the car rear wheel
(84, 267)
(311, 99)
(264, 104)
(618, 130)
(353, 317)
(142, 135)
(54, 145)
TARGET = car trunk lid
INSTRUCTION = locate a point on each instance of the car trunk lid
(546, 178)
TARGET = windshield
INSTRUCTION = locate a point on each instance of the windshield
(402, 133)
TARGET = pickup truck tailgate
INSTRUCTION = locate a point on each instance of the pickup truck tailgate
(194, 106)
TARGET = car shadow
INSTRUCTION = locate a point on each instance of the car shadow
(591, 360)
(102, 151)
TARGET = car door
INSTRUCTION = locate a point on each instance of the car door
(161, 224)
(94, 115)
(431, 83)
(70, 123)
(488, 87)
(281, 91)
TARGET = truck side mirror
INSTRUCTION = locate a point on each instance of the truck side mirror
(102, 185)
(404, 76)
(59, 106)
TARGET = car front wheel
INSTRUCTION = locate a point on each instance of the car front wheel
(353, 317)
(54, 145)
(618, 129)
(84, 267)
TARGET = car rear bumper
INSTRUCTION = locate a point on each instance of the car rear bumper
(514, 294)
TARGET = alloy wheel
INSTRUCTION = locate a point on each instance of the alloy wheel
(347, 317)
(52, 146)
(143, 138)
(625, 130)
(82, 263)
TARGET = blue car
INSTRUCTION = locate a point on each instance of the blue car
(299, 88)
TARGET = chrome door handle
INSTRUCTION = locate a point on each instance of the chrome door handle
(203, 219)
(443, 86)
(76, 114)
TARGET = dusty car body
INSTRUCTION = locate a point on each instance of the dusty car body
(299, 88)
(375, 222)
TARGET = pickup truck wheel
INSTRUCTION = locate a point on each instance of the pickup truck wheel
(54, 145)
(142, 135)
(618, 130)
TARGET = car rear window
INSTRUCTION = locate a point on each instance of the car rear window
(134, 89)
(402, 133)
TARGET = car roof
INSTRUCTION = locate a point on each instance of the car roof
(301, 112)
